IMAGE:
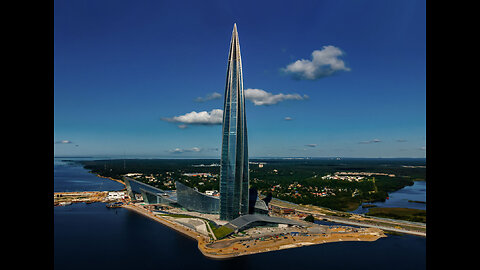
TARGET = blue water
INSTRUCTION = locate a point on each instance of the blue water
(70, 176)
(91, 236)
(400, 198)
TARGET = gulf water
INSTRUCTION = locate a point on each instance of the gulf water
(407, 197)
(91, 236)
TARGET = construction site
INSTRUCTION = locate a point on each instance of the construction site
(259, 234)
(284, 238)
(66, 198)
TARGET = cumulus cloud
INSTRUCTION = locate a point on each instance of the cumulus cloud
(325, 62)
(262, 97)
(214, 117)
(208, 97)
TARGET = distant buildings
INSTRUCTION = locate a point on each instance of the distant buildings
(353, 176)
(198, 174)
(212, 192)
(260, 164)
(115, 195)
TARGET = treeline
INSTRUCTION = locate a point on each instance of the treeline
(306, 172)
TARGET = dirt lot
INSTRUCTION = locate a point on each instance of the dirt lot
(239, 247)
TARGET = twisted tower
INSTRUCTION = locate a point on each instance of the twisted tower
(234, 176)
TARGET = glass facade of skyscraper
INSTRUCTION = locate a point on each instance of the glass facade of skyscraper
(193, 200)
(234, 175)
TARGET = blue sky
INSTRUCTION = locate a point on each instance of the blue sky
(324, 78)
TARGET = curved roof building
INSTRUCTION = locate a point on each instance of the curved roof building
(247, 221)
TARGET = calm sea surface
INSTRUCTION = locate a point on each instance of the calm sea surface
(91, 236)
(401, 198)
(73, 177)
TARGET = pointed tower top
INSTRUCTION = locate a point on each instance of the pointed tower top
(235, 28)
(234, 45)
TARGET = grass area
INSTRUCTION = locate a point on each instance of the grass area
(221, 231)
(417, 201)
(408, 214)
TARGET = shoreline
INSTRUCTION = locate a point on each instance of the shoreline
(113, 179)
(393, 228)
(230, 248)
(177, 227)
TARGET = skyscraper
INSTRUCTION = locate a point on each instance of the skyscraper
(234, 176)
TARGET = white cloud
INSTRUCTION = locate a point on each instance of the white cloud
(325, 62)
(180, 150)
(262, 97)
(214, 117)
(371, 141)
(211, 96)
(63, 142)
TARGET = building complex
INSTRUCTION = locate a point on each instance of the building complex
(237, 204)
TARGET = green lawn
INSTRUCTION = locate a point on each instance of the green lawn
(221, 231)
(415, 215)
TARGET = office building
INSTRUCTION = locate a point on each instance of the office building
(234, 175)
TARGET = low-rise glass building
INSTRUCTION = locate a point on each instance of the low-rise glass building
(193, 200)
(150, 195)
(186, 197)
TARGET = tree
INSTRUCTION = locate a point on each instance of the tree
(309, 218)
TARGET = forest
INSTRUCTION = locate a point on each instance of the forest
(296, 180)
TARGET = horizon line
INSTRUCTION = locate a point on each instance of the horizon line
(254, 157)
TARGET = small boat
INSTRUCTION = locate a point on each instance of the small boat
(64, 203)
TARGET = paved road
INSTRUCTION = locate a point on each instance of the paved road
(386, 228)
(369, 222)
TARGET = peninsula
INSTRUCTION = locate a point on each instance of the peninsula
(256, 239)
(285, 227)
